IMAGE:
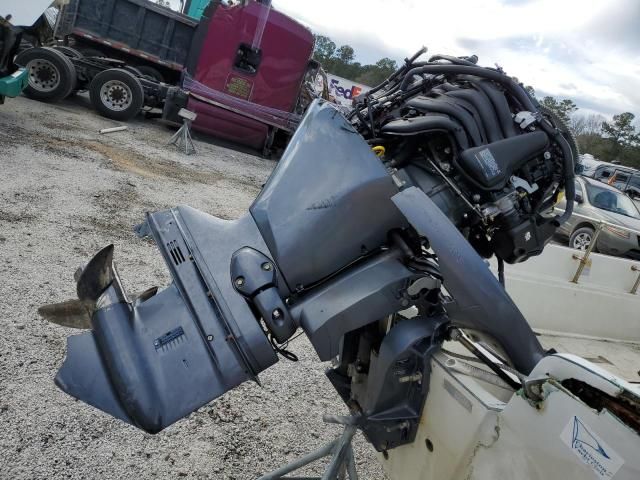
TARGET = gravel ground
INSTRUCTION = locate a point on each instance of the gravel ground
(65, 192)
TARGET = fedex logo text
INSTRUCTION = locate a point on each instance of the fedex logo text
(347, 93)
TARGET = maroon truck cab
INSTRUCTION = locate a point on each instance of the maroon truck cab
(229, 56)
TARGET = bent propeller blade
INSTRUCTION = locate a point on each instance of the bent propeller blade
(481, 303)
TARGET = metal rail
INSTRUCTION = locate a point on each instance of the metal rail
(586, 261)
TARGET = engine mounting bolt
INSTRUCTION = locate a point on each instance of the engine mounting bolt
(476, 198)
(276, 314)
(266, 266)
(239, 281)
(547, 155)
(209, 338)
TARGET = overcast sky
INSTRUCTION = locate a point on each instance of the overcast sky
(587, 50)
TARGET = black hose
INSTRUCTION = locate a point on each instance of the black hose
(500, 270)
(569, 174)
(407, 63)
(372, 123)
(362, 119)
(516, 90)
(454, 60)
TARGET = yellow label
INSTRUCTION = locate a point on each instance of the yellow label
(239, 87)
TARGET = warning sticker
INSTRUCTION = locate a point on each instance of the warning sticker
(488, 163)
(239, 87)
(591, 449)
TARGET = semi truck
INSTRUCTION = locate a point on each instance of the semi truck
(240, 67)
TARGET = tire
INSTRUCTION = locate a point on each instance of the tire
(116, 94)
(71, 53)
(148, 71)
(581, 238)
(52, 76)
(68, 51)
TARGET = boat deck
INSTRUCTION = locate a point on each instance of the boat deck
(620, 358)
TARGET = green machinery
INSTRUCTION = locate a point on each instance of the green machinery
(195, 8)
(12, 85)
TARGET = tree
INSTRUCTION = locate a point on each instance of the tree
(587, 130)
(346, 54)
(375, 74)
(324, 48)
(581, 125)
(621, 130)
(341, 61)
(563, 108)
(622, 139)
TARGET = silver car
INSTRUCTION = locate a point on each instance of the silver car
(597, 201)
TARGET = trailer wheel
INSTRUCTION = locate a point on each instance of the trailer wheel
(116, 94)
(52, 76)
(148, 71)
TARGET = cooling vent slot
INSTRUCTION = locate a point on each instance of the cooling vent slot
(176, 253)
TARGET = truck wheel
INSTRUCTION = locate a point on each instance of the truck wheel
(116, 94)
(52, 76)
(151, 72)
(582, 238)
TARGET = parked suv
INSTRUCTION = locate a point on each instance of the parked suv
(626, 179)
(594, 202)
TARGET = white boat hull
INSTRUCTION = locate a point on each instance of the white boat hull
(468, 432)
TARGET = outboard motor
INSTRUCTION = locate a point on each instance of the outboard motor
(341, 243)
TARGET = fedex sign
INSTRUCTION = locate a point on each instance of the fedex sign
(343, 90)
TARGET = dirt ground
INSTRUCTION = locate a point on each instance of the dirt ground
(65, 192)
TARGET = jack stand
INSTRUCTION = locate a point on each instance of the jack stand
(182, 138)
(341, 452)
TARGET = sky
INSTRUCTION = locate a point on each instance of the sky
(586, 50)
